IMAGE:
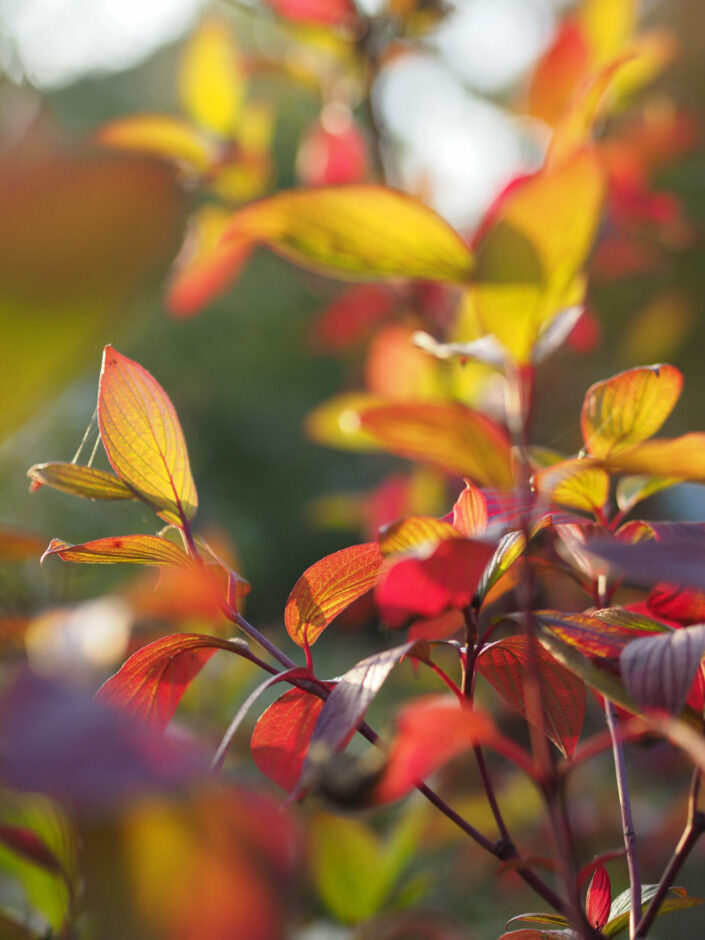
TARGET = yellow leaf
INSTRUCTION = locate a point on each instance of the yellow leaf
(682, 458)
(143, 438)
(419, 533)
(80, 481)
(608, 25)
(358, 231)
(580, 484)
(529, 263)
(128, 549)
(628, 408)
(211, 78)
(160, 134)
(337, 422)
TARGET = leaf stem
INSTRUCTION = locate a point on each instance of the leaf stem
(694, 828)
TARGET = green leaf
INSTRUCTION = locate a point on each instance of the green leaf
(676, 900)
(81, 481)
(356, 232)
(143, 438)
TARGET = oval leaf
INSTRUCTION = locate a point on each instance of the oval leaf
(450, 436)
(507, 665)
(143, 438)
(152, 682)
(130, 549)
(80, 481)
(470, 511)
(281, 737)
(628, 408)
(327, 587)
(599, 898)
(658, 671)
(681, 458)
(211, 79)
(356, 231)
(580, 484)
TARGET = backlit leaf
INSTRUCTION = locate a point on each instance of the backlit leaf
(507, 666)
(327, 588)
(325, 12)
(681, 458)
(419, 533)
(143, 438)
(337, 422)
(449, 436)
(632, 490)
(670, 602)
(580, 484)
(529, 262)
(426, 586)
(430, 732)
(470, 511)
(599, 898)
(129, 549)
(678, 560)
(658, 671)
(78, 480)
(211, 79)
(628, 408)
(356, 231)
(159, 134)
(282, 734)
(677, 899)
(558, 73)
(151, 683)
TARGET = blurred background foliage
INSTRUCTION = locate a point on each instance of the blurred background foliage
(448, 120)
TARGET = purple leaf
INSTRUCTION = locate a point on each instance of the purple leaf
(658, 671)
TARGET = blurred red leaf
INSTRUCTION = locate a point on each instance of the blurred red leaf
(151, 683)
(682, 605)
(425, 587)
(599, 898)
(28, 844)
(282, 735)
(507, 666)
(351, 316)
(333, 150)
(325, 12)
(558, 73)
(327, 587)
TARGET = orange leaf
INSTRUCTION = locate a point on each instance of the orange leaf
(558, 73)
(450, 436)
(80, 481)
(152, 682)
(130, 549)
(143, 438)
(327, 588)
(581, 484)
(628, 408)
(682, 458)
(17, 545)
(281, 737)
(470, 511)
(356, 232)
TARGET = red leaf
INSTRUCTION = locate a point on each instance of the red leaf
(281, 737)
(333, 150)
(326, 12)
(670, 602)
(153, 680)
(507, 665)
(430, 732)
(425, 587)
(559, 73)
(327, 588)
(599, 898)
(351, 316)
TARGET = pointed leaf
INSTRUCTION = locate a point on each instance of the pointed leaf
(628, 408)
(580, 484)
(426, 586)
(281, 737)
(151, 683)
(81, 481)
(356, 231)
(681, 458)
(530, 933)
(129, 549)
(449, 436)
(599, 898)
(676, 900)
(507, 666)
(632, 490)
(658, 671)
(470, 511)
(211, 80)
(557, 920)
(346, 705)
(430, 732)
(509, 549)
(159, 134)
(327, 588)
(143, 438)
(417, 534)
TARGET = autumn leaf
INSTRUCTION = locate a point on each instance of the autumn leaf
(681, 458)
(129, 549)
(78, 480)
(143, 438)
(508, 664)
(659, 671)
(327, 588)
(211, 79)
(282, 734)
(470, 511)
(628, 408)
(599, 898)
(357, 231)
(151, 683)
(323, 12)
(581, 484)
(159, 134)
(414, 534)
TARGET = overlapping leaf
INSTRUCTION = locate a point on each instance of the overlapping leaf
(78, 480)
(328, 587)
(449, 436)
(508, 664)
(211, 78)
(628, 408)
(151, 683)
(414, 533)
(470, 511)
(128, 549)
(681, 458)
(599, 898)
(281, 737)
(658, 671)
(356, 231)
(580, 484)
(143, 438)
